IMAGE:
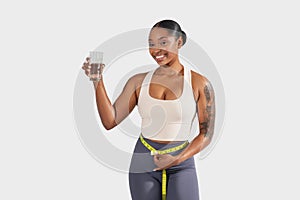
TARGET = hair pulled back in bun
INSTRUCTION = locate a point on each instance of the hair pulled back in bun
(173, 27)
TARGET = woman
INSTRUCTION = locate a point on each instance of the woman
(168, 98)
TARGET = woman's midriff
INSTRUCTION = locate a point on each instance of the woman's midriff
(165, 142)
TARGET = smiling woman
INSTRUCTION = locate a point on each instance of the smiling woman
(168, 98)
(165, 39)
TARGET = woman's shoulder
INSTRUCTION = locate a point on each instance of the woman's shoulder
(199, 81)
(198, 78)
(138, 77)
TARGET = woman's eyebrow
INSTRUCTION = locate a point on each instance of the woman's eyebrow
(163, 37)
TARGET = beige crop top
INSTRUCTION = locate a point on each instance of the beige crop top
(167, 120)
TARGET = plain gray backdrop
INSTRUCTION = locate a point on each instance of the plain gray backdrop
(254, 45)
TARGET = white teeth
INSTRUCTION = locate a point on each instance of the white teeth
(158, 57)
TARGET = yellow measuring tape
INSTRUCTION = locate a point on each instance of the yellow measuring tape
(164, 172)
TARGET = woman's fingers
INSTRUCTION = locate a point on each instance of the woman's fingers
(102, 67)
(163, 160)
(156, 158)
(83, 66)
(86, 66)
(87, 72)
(159, 159)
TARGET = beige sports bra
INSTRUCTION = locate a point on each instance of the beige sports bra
(167, 120)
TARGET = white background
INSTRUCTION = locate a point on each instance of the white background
(254, 45)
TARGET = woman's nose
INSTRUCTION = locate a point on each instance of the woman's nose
(157, 49)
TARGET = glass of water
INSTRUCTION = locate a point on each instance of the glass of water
(96, 59)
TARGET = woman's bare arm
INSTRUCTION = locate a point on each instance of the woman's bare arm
(112, 114)
(206, 118)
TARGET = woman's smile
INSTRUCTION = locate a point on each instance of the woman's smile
(160, 57)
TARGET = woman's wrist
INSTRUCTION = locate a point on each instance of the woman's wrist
(96, 83)
(178, 159)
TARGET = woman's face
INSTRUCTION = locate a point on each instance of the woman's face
(163, 47)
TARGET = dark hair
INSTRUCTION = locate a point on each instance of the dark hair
(173, 27)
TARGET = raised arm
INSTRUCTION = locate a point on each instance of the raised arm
(113, 114)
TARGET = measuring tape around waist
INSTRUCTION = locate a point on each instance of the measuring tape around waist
(164, 172)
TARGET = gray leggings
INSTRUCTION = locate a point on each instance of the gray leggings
(145, 184)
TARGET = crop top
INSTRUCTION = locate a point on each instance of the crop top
(167, 120)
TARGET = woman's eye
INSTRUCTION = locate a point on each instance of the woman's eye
(151, 45)
(164, 43)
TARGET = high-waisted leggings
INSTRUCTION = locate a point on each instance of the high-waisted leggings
(145, 184)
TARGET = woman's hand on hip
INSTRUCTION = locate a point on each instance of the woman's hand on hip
(164, 161)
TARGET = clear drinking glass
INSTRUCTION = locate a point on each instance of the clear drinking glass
(96, 59)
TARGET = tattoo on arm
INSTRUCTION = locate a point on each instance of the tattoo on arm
(207, 126)
(207, 93)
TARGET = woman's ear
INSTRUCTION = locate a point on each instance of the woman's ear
(179, 42)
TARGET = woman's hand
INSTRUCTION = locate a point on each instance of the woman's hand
(86, 66)
(164, 161)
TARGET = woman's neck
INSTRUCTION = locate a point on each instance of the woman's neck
(174, 68)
